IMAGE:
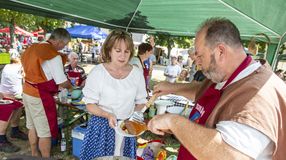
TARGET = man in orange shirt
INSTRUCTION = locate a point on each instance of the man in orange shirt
(43, 67)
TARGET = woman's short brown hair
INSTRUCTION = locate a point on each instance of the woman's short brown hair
(114, 37)
(143, 47)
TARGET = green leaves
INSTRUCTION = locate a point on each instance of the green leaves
(29, 22)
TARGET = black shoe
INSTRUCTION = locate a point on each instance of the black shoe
(8, 147)
(19, 135)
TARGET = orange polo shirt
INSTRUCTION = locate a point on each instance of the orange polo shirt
(32, 60)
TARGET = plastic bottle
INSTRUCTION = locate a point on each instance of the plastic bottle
(152, 111)
(64, 94)
(73, 81)
(63, 143)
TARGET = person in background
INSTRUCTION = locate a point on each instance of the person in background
(44, 73)
(182, 77)
(195, 72)
(18, 45)
(12, 51)
(7, 111)
(252, 49)
(172, 71)
(96, 52)
(199, 75)
(75, 73)
(180, 61)
(11, 87)
(80, 48)
(152, 59)
(240, 109)
(191, 63)
(279, 73)
(144, 52)
(114, 90)
(148, 68)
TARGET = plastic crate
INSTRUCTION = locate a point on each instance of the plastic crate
(77, 137)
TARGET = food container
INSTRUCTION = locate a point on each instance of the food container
(152, 112)
(179, 110)
(162, 105)
(76, 94)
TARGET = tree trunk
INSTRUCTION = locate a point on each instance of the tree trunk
(12, 30)
(169, 50)
(169, 46)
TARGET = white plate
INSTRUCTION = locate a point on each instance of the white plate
(164, 97)
(175, 109)
(119, 131)
(4, 102)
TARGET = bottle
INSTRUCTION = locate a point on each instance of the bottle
(63, 143)
(64, 94)
(152, 111)
(73, 81)
(69, 98)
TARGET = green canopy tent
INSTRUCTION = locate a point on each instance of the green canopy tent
(174, 17)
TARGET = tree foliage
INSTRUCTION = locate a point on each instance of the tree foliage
(28, 22)
(170, 41)
(8, 17)
(48, 24)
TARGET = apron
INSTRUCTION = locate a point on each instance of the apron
(145, 73)
(75, 78)
(47, 90)
(7, 109)
(206, 103)
(99, 141)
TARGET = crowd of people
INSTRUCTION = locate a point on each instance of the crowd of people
(239, 110)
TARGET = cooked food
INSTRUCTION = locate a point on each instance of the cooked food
(133, 127)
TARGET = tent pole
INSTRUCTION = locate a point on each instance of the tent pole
(133, 15)
(275, 61)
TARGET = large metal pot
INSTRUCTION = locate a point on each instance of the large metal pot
(113, 158)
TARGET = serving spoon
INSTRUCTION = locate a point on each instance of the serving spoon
(138, 115)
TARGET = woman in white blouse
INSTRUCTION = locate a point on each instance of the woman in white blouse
(113, 90)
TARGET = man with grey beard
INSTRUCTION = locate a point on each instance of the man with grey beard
(240, 109)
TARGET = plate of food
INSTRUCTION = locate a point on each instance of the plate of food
(129, 128)
(4, 102)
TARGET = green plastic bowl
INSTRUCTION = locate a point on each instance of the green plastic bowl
(76, 94)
